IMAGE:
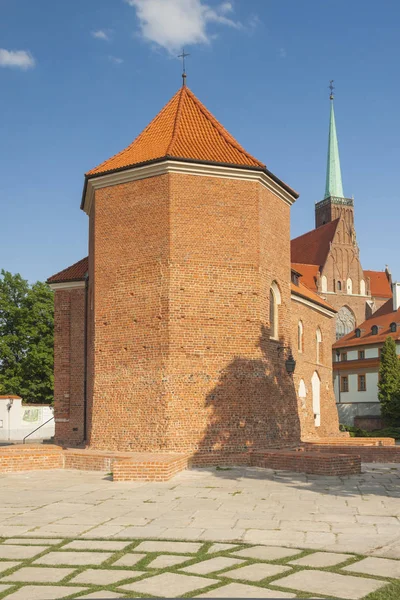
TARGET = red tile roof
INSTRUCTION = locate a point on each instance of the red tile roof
(383, 322)
(380, 286)
(308, 273)
(183, 129)
(312, 248)
(304, 292)
(75, 272)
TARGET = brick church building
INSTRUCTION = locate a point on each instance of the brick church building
(328, 256)
(178, 331)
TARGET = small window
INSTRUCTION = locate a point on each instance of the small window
(344, 384)
(358, 332)
(318, 337)
(374, 329)
(361, 354)
(343, 356)
(362, 383)
(300, 338)
(324, 284)
(339, 286)
(393, 327)
(274, 302)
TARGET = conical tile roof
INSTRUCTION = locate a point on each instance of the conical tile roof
(183, 129)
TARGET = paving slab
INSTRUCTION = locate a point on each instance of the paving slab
(212, 565)
(22, 552)
(267, 552)
(73, 558)
(128, 560)
(220, 547)
(165, 560)
(34, 541)
(321, 559)
(3, 588)
(10, 564)
(105, 576)
(96, 545)
(39, 574)
(239, 590)
(101, 595)
(331, 584)
(174, 547)
(44, 592)
(382, 567)
(172, 585)
(255, 572)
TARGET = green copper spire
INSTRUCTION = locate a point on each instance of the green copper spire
(334, 186)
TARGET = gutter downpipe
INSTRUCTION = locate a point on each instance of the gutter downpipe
(85, 346)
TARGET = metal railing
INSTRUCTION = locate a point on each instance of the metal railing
(37, 428)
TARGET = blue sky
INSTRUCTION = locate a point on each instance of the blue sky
(79, 81)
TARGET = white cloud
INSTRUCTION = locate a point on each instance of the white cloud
(282, 53)
(100, 34)
(17, 59)
(173, 24)
(116, 60)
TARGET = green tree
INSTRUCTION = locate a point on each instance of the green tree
(26, 339)
(389, 383)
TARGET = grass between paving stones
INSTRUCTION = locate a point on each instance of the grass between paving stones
(389, 592)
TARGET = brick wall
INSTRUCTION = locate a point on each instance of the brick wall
(306, 366)
(69, 310)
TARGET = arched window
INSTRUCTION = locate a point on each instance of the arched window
(324, 284)
(274, 302)
(345, 322)
(302, 389)
(393, 327)
(300, 336)
(362, 287)
(349, 286)
(316, 400)
(339, 286)
(318, 337)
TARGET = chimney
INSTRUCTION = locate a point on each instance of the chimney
(396, 295)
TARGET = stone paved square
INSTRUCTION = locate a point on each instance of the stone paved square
(101, 595)
(382, 567)
(267, 552)
(105, 576)
(171, 585)
(332, 584)
(220, 547)
(212, 565)
(166, 560)
(43, 592)
(129, 560)
(321, 559)
(106, 545)
(38, 574)
(10, 564)
(176, 547)
(255, 572)
(20, 552)
(3, 588)
(240, 590)
(73, 558)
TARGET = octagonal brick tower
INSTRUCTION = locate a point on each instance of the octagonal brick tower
(188, 232)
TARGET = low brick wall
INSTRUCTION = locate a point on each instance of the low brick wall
(14, 459)
(368, 454)
(220, 460)
(156, 467)
(301, 461)
(351, 441)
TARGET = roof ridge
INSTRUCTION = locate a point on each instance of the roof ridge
(314, 230)
(221, 129)
(176, 121)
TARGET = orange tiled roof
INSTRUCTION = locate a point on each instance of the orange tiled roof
(308, 273)
(312, 248)
(383, 322)
(183, 129)
(380, 286)
(75, 272)
(305, 292)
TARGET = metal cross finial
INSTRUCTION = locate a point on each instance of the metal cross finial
(183, 56)
(331, 87)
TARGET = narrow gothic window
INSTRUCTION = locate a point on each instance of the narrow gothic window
(274, 301)
(362, 287)
(324, 284)
(319, 345)
(300, 340)
(349, 286)
(339, 286)
(345, 322)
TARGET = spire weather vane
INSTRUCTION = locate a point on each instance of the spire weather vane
(183, 56)
(331, 87)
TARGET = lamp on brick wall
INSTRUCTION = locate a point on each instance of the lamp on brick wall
(290, 363)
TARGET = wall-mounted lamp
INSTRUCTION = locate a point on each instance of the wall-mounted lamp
(290, 363)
